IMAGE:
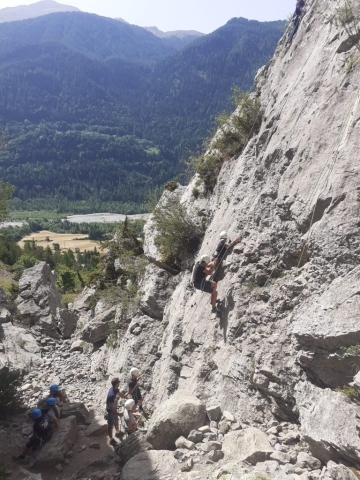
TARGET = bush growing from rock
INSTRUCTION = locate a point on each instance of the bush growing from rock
(3, 472)
(10, 399)
(178, 233)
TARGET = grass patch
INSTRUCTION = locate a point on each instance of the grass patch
(350, 392)
(10, 288)
(68, 298)
(355, 472)
(351, 351)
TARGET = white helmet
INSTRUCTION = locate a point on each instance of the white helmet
(223, 234)
(135, 371)
(129, 404)
(205, 258)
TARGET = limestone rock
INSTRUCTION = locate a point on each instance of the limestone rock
(5, 315)
(329, 423)
(339, 472)
(280, 457)
(97, 328)
(214, 413)
(39, 302)
(158, 286)
(78, 410)
(182, 442)
(133, 445)
(19, 347)
(304, 460)
(250, 445)
(66, 321)
(216, 455)
(53, 452)
(176, 417)
(195, 436)
(151, 465)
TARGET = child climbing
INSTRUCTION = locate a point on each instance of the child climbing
(201, 270)
(134, 389)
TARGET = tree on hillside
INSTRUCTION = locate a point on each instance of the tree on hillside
(6, 191)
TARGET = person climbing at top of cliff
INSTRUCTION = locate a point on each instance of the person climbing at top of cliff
(222, 247)
(134, 389)
(300, 4)
(201, 270)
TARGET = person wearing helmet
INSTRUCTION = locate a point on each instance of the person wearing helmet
(222, 247)
(42, 433)
(132, 419)
(56, 393)
(111, 409)
(52, 411)
(134, 389)
(201, 270)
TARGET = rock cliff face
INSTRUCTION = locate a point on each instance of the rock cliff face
(290, 289)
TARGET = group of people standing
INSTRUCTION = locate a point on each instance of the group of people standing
(131, 414)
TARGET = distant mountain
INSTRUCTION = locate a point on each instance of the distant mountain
(175, 33)
(23, 12)
(95, 37)
(97, 113)
(176, 38)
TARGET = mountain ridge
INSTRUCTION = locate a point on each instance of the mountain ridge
(24, 12)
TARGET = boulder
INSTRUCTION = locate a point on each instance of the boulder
(78, 346)
(182, 442)
(5, 315)
(195, 436)
(98, 426)
(97, 328)
(151, 465)
(66, 321)
(174, 418)
(19, 347)
(330, 423)
(76, 409)
(216, 455)
(339, 472)
(280, 457)
(134, 444)
(304, 460)
(54, 451)
(249, 445)
(214, 413)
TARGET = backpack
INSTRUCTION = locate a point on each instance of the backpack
(193, 273)
(45, 430)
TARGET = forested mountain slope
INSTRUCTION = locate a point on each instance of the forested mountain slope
(72, 85)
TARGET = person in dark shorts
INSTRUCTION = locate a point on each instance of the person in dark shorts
(134, 389)
(300, 4)
(201, 270)
(42, 433)
(222, 247)
(112, 413)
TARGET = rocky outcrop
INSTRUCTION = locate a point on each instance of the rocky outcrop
(5, 315)
(39, 303)
(330, 424)
(53, 452)
(18, 348)
(77, 410)
(339, 472)
(174, 418)
(97, 328)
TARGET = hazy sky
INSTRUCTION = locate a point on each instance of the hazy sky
(202, 15)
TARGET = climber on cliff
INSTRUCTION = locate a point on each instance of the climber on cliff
(134, 389)
(300, 4)
(111, 409)
(222, 247)
(55, 393)
(42, 433)
(132, 419)
(201, 270)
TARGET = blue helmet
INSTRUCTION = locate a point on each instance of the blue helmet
(51, 402)
(54, 388)
(36, 413)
